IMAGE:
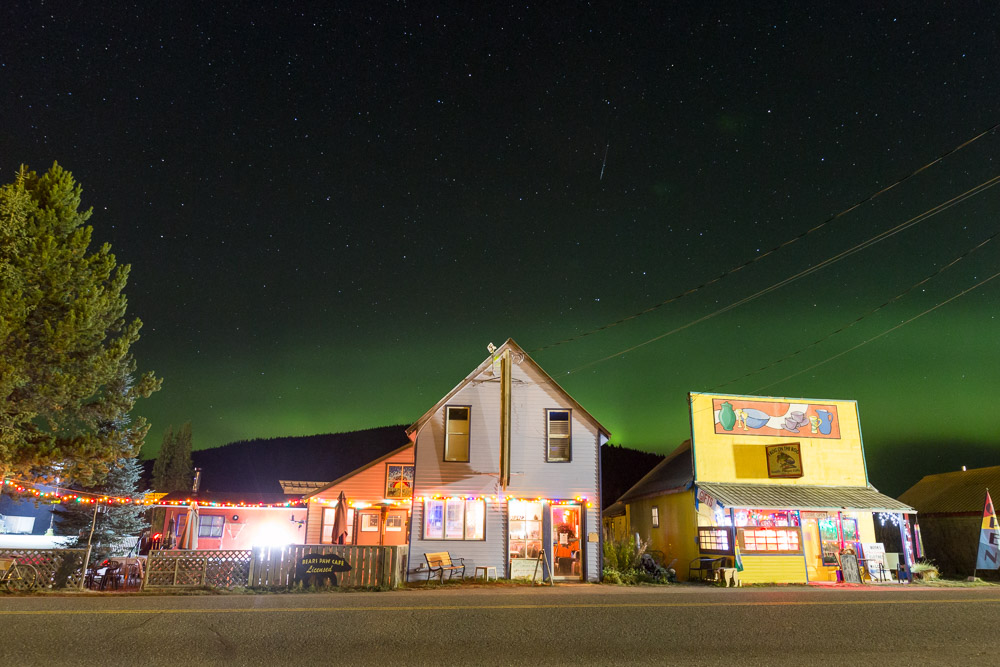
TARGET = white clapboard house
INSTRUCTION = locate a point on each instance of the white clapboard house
(507, 474)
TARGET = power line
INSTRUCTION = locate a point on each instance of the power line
(773, 250)
(801, 274)
(884, 333)
(861, 317)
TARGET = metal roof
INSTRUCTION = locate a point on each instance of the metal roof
(670, 475)
(787, 496)
(953, 492)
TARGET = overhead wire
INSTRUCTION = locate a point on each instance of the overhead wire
(767, 253)
(861, 317)
(805, 272)
(884, 333)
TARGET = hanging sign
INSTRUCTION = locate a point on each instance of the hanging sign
(704, 497)
(320, 566)
(784, 460)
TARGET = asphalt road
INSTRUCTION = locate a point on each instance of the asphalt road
(565, 625)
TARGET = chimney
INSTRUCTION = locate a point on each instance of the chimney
(197, 480)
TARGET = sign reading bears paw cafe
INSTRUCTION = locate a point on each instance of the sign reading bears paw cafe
(320, 566)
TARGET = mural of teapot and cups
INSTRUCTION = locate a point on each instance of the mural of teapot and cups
(750, 418)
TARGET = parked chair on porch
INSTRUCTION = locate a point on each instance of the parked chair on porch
(112, 574)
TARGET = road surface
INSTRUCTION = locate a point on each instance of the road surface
(565, 625)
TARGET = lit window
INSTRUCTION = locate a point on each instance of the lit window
(714, 540)
(454, 519)
(656, 517)
(770, 540)
(210, 526)
(329, 516)
(456, 440)
(559, 435)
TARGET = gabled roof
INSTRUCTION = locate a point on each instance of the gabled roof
(515, 349)
(953, 492)
(670, 475)
(794, 497)
(354, 472)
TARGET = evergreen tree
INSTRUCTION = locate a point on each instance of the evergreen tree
(173, 470)
(162, 463)
(66, 373)
(181, 470)
(117, 525)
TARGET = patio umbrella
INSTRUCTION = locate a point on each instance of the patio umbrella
(340, 520)
(189, 540)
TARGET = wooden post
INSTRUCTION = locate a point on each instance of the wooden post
(86, 560)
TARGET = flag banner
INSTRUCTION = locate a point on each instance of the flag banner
(989, 539)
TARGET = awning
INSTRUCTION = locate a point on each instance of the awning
(789, 497)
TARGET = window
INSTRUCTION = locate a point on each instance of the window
(715, 540)
(770, 540)
(398, 481)
(210, 526)
(656, 517)
(456, 439)
(558, 435)
(454, 519)
(329, 516)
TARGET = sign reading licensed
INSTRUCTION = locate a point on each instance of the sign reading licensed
(320, 566)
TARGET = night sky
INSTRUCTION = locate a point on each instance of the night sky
(330, 212)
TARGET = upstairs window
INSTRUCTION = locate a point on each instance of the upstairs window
(559, 437)
(456, 439)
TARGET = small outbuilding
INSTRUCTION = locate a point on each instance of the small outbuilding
(951, 513)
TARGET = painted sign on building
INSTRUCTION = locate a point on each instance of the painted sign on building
(784, 460)
(735, 416)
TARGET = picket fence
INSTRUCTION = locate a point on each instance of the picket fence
(272, 567)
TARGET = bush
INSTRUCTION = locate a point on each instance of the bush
(924, 570)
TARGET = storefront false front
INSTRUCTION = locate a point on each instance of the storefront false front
(786, 545)
(531, 521)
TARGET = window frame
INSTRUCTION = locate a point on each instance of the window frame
(568, 437)
(325, 525)
(443, 502)
(389, 480)
(214, 529)
(796, 530)
(655, 516)
(728, 530)
(447, 433)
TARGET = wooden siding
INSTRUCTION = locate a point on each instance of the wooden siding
(531, 475)
(773, 569)
(367, 485)
(491, 551)
(677, 536)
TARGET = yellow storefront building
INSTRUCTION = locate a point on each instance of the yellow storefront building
(778, 484)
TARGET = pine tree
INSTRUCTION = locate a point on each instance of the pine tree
(116, 525)
(181, 471)
(66, 373)
(162, 464)
(173, 470)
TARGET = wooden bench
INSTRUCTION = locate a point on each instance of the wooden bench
(443, 562)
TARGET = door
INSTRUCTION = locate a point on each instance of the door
(396, 527)
(369, 528)
(566, 542)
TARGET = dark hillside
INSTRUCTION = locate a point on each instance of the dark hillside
(621, 468)
(255, 466)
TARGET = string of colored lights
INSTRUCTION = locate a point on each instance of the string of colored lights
(24, 487)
